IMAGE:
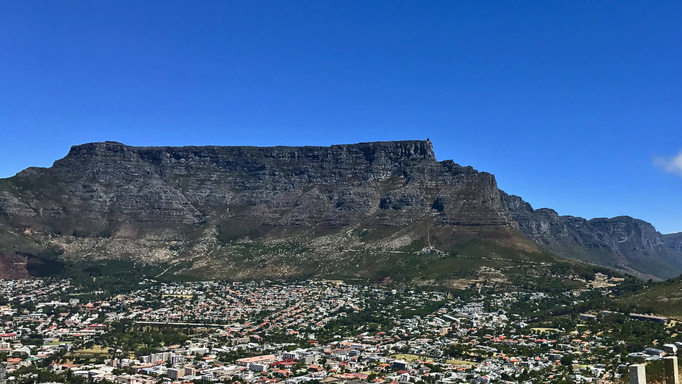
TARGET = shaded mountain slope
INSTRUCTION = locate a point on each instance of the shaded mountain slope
(624, 243)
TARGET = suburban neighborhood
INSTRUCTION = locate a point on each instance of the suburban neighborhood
(319, 331)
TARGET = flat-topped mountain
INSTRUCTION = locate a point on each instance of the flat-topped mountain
(250, 212)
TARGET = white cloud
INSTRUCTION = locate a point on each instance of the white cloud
(670, 164)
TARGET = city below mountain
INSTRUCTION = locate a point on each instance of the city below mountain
(384, 211)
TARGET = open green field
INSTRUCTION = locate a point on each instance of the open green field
(57, 342)
(409, 358)
(461, 362)
(95, 350)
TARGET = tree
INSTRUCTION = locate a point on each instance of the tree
(566, 360)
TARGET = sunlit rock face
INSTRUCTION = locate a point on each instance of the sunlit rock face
(298, 208)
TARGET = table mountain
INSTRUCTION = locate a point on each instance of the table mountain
(364, 209)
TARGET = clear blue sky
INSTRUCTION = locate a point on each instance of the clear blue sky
(574, 105)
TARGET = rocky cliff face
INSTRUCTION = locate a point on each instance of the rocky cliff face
(674, 241)
(291, 211)
(621, 242)
(163, 204)
(156, 191)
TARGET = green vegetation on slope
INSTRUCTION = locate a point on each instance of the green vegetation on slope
(663, 298)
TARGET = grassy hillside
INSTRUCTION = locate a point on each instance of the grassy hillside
(664, 298)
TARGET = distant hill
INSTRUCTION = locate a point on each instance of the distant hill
(382, 210)
(622, 243)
